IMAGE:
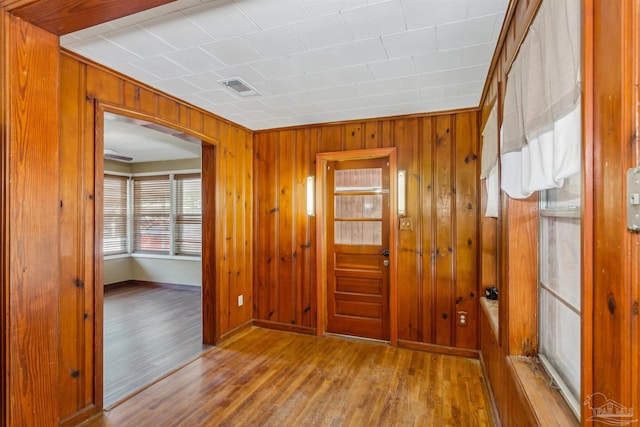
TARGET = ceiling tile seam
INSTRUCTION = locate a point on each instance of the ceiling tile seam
(121, 47)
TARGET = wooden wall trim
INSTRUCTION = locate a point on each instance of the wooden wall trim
(177, 124)
(440, 349)
(4, 210)
(61, 17)
(279, 326)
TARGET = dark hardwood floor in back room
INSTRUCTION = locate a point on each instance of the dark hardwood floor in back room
(273, 378)
(147, 333)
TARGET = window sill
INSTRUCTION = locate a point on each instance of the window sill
(154, 256)
(490, 308)
(544, 405)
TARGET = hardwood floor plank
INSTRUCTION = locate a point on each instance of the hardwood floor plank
(274, 378)
(147, 333)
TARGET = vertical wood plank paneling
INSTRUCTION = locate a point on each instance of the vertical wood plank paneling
(427, 304)
(5, 353)
(353, 136)
(614, 127)
(247, 227)
(409, 247)
(104, 86)
(235, 263)
(444, 246)
(331, 138)
(266, 204)
(430, 214)
(227, 291)
(466, 197)
(72, 336)
(210, 213)
(372, 134)
(287, 291)
(32, 106)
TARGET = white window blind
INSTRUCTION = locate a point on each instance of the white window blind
(152, 214)
(188, 214)
(559, 287)
(115, 215)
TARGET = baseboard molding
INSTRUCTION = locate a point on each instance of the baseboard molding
(146, 284)
(287, 327)
(227, 336)
(495, 414)
(441, 349)
(80, 416)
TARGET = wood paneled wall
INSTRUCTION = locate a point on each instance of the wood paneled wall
(611, 262)
(30, 210)
(87, 89)
(437, 259)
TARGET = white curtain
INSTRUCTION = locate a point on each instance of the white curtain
(489, 143)
(541, 144)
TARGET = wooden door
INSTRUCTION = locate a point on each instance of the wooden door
(358, 248)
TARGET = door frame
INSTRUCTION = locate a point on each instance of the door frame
(210, 302)
(322, 159)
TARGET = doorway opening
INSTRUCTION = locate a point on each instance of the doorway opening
(357, 217)
(150, 287)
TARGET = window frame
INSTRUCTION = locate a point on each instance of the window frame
(172, 208)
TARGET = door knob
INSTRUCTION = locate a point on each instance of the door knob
(385, 263)
(385, 252)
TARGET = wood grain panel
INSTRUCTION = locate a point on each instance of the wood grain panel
(210, 213)
(287, 291)
(66, 16)
(466, 226)
(4, 220)
(353, 136)
(409, 245)
(613, 129)
(427, 171)
(266, 231)
(31, 106)
(414, 139)
(443, 188)
(331, 138)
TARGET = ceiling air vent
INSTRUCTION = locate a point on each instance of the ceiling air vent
(239, 86)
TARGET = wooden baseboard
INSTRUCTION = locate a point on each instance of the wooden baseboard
(80, 416)
(495, 414)
(227, 336)
(146, 284)
(266, 324)
(441, 349)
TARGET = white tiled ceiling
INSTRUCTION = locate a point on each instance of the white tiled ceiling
(312, 61)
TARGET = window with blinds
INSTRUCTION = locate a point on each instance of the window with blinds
(152, 214)
(115, 215)
(188, 214)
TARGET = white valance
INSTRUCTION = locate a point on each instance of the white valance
(543, 84)
(489, 143)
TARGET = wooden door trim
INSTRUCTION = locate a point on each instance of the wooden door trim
(210, 304)
(321, 241)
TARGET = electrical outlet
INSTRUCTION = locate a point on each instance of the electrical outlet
(463, 319)
(240, 300)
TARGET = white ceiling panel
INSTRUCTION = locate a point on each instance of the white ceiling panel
(195, 60)
(310, 60)
(410, 43)
(465, 33)
(266, 16)
(274, 42)
(322, 32)
(375, 19)
(177, 31)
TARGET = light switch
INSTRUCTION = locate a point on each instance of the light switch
(406, 223)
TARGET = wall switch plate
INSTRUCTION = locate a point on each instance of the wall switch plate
(633, 199)
(240, 300)
(463, 318)
(406, 223)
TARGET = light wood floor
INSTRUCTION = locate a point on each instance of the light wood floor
(147, 333)
(272, 378)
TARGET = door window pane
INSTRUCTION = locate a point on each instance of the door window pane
(358, 232)
(358, 179)
(355, 207)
